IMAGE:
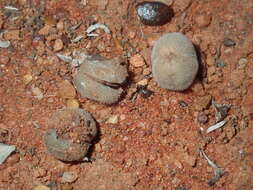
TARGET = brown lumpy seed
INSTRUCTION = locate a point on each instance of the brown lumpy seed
(100, 79)
(154, 13)
(174, 62)
(70, 134)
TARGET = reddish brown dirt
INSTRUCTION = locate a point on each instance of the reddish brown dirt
(155, 142)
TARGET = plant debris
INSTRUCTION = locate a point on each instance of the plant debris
(65, 58)
(5, 151)
(76, 26)
(96, 26)
(4, 44)
(11, 8)
(221, 110)
(79, 58)
(216, 126)
(217, 170)
(77, 39)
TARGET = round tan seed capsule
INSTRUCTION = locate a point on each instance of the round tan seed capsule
(70, 134)
(174, 62)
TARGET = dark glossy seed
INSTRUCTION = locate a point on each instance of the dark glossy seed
(154, 13)
(228, 42)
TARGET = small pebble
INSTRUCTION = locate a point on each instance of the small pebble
(12, 35)
(41, 187)
(60, 25)
(49, 20)
(203, 20)
(122, 117)
(178, 164)
(146, 71)
(4, 59)
(58, 45)
(45, 30)
(202, 118)
(72, 103)
(137, 60)
(211, 70)
(113, 119)
(69, 177)
(66, 90)
(228, 42)
(237, 77)
(242, 63)
(37, 92)
(144, 91)
(39, 172)
(143, 82)
(167, 2)
(27, 78)
(132, 34)
(210, 60)
(183, 103)
(66, 186)
(220, 63)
